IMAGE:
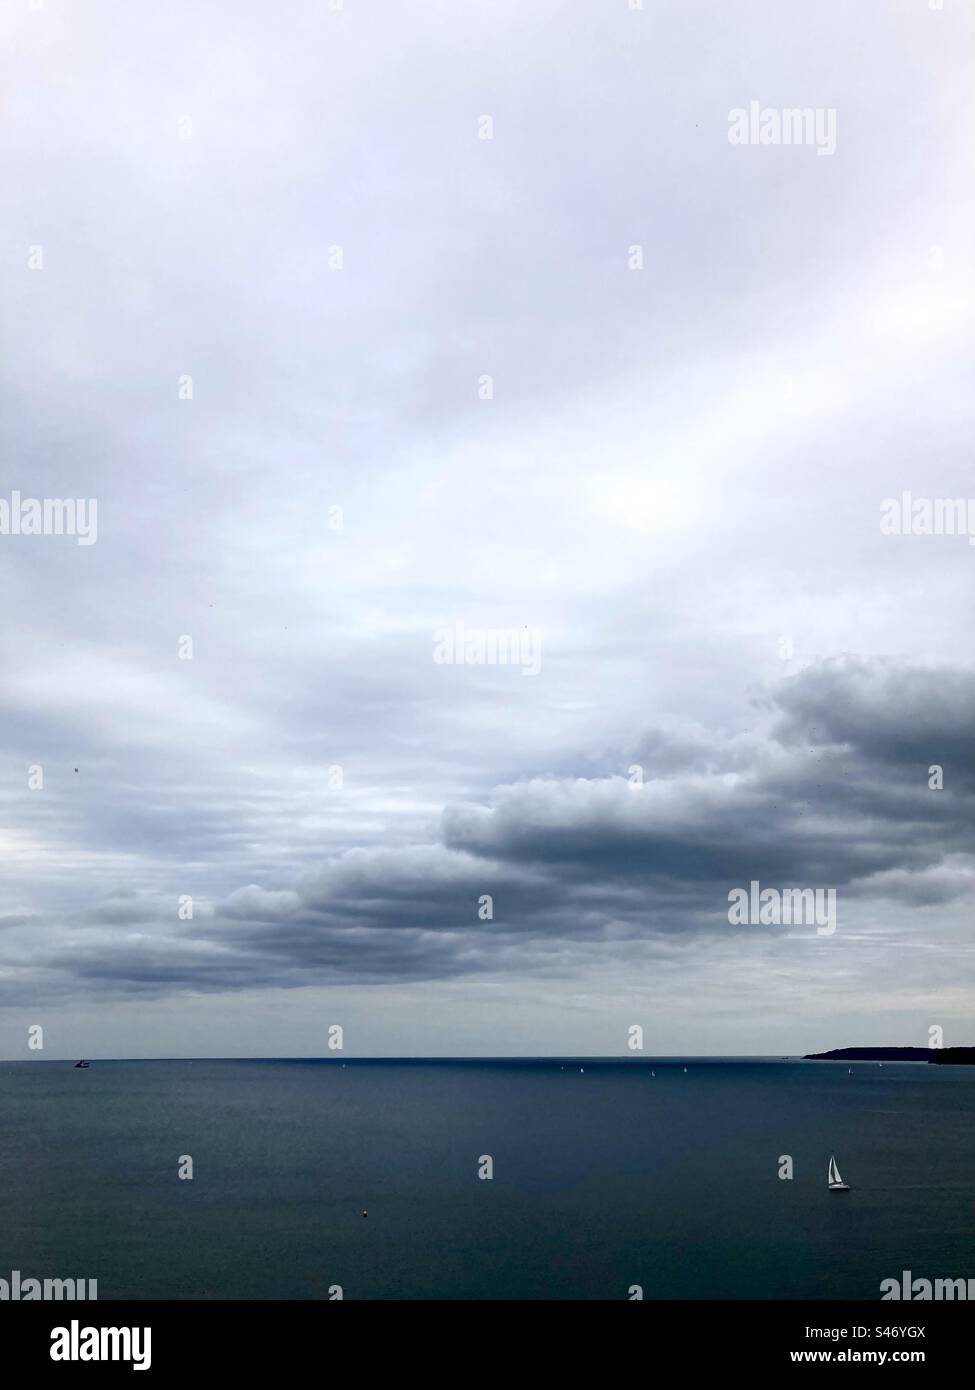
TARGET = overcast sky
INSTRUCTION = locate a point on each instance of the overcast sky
(674, 491)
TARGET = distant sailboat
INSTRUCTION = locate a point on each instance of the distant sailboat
(836, 1183)
(685, 1071)
(82, 1064)
(850, 1072)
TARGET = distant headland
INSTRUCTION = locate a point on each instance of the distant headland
(946, 1056)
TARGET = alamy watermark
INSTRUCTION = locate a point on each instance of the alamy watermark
(926, 1290)
(793, 125)
(928, 516)
(18, 1290)
(77, 1343)
(460, 645)
(50, 516)
(756, 906)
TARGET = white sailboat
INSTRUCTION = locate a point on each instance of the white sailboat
(836, 1183)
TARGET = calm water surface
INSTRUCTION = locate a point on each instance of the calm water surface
(603, 1178)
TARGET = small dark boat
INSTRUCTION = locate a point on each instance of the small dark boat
(82, 1064)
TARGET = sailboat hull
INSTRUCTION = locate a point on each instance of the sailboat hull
(839, 1187)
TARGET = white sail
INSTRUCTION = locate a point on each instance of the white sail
(834, 1172)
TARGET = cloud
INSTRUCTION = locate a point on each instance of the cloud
(885, 711)
(677, 479)
(597, 863)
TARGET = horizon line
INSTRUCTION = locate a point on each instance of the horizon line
(606, 1057)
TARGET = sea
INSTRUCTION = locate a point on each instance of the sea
(583, 1178)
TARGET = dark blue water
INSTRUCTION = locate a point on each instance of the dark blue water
(602, 1179)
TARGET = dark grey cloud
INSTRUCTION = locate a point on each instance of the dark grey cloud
(592, 862)
(884, 711)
